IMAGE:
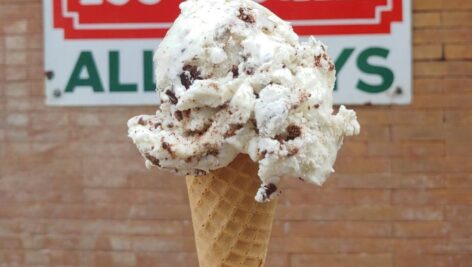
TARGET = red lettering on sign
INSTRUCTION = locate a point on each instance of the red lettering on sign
(107, 19)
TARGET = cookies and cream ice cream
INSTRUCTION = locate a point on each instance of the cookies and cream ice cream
(234, 78)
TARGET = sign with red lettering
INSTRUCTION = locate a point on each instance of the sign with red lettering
(87, 42)
(94, 19)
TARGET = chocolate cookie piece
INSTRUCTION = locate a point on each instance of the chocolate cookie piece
(293, 132)
(189, 75)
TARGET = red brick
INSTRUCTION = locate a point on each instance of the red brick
(421, 229)
(362, 165)
(332, 245)
(421, 245)
(456, 18)
(167, 259)
(15, 73)
(426, 19)
(341, 260)
(17, 89)
(277, 260)
(333, 229)
(340, 197)
(370, 212)
(13, 256)
(159, 243)
(458, 52)
(398, 117)
(432, 196)
(409, 260)
(420, 133)
(17, 120)
(373, 133)
(37, 258)
(458, 85)
(459, 148)
(15, 42)
(35, 41)
(419, 5)
(406, 149)
(458, 213)
(456, 4)
(428, 86)
(135, 196)
(10, 242)
(394, 181)
(442, 35)
(354, 148)
(15, 26)
(16, 58)
(441, 69)
(460, 229)
(461, 245)
(427, 52)
(450, 100)
(458, 117)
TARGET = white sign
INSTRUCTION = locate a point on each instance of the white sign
(99, 52)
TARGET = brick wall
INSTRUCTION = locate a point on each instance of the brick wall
(74, 192)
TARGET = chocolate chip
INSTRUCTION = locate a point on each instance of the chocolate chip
(166, 146)
(331, 66)
(211, 149)
(232, 129)
(317, 106)
(178, 115)
(189, 75)
(142, 122)
(270, 189)
(318, 61)
(280, 138)
(301, 179)
(254, 123)
(153, 160)
(245, 16)
(187, 113)
(157, 125)
(235, 71)
(293, 131)
(199, 132)
(249, 71)
(173, 99)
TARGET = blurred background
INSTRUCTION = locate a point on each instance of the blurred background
(74, 190)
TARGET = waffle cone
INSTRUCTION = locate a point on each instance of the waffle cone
(230, 227)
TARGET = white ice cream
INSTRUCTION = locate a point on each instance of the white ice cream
(234, 78)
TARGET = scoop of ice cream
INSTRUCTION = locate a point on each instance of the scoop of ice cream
(233, 78)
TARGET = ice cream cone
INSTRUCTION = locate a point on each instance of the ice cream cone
(230, 227)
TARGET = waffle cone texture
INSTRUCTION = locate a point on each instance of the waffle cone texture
(230, 227)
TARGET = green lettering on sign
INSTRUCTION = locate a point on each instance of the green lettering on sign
(114, 75)
(385, 73)
(87, 63)
(149, 85)
(341, 61)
